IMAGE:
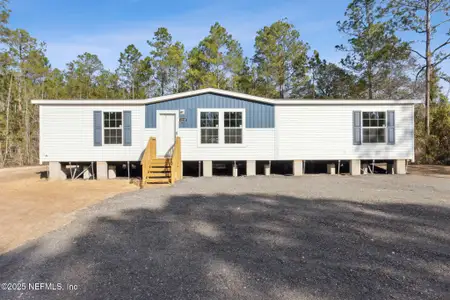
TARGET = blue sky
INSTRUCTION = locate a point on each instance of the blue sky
(106, 27)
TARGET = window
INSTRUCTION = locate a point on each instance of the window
(374, 127)
(209, 124)
(112, 126)
(233, 127)
(221, 126)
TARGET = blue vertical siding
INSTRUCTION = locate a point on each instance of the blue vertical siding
(258, 115)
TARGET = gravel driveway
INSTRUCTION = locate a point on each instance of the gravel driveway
(312, 237)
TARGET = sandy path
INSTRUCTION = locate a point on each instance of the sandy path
(31, 206)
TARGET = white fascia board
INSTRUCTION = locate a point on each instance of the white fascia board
(346, 102)
(215, 91)
(224, 93)
(158, 99)
(89, 102)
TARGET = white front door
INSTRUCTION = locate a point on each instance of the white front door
(167, 131)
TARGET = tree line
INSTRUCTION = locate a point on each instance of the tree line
(376, 64)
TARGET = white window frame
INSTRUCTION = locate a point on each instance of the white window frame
(217, 127)
(103, 128)
(221, 112)
(240, 128)
(385, 127)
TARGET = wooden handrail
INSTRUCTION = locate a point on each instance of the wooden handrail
(175, 161)
(150, 151)
(180, 162)
(148, 156)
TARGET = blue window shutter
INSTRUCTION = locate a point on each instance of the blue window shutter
(356, 127)
(97, 128)
(391, 127)
(127, 128)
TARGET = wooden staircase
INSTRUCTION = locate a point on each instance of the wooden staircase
(160, 171)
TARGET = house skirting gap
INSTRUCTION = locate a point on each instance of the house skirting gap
(103, 170)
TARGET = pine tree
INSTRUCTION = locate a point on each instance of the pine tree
(372, 46)
(129, 62)
(167, 59)
(280, 58)
(417, 16)
(216, 61)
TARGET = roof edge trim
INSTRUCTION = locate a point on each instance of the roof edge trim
(223, 93)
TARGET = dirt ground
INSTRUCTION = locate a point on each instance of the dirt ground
(31, 206)
(432, 170)
(316, 237)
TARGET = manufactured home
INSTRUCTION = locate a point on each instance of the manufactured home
(200, 129)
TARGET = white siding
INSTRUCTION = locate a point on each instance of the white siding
(319, 132)
(310, 132)
(66, 133)
(259, 144)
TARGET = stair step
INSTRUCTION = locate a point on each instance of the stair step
(160, 160)
(160, 166)
(156, 170)
(157, 180)
(158, 174)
